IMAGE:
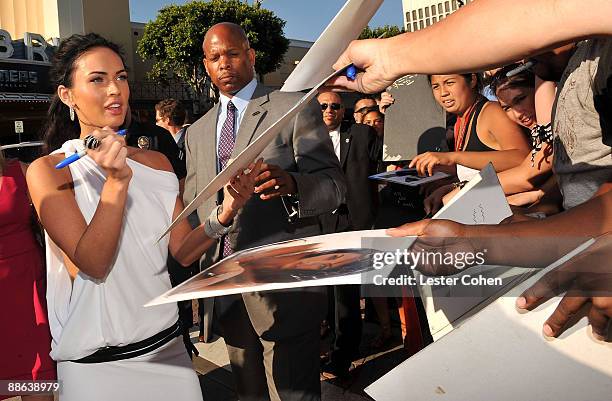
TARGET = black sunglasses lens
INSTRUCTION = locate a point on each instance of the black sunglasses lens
(333, 106)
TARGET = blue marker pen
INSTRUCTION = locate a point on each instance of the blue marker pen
(78, 155)
(351, 72)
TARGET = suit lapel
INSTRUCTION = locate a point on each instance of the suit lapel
(209, 143)
(345, 143)
(251, 120)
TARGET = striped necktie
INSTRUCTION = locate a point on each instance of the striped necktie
(226, 146)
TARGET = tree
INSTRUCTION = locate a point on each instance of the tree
(174, 39)
(381, 32)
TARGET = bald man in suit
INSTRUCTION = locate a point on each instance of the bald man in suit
(272, 337)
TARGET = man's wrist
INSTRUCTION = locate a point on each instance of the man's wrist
(225, 218)
(294, 194)
(213, 227)
(389, 50)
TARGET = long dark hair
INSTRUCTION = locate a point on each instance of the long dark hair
(58, 127)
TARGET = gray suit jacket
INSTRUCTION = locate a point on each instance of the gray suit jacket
(304, 149)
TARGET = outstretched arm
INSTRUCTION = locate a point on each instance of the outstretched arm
(514, 30)
(535, 243)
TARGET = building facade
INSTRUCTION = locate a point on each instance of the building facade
(419, 14)
(29, 30)
(296, 51)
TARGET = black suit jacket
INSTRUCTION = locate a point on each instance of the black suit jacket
(358, 158)
(159, 140)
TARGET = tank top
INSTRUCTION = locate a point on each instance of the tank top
(474, 144)
(89, 314)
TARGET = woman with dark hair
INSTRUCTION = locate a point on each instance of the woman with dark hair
(102, 216)
(25, 340)
(482, 134)
(527, 100)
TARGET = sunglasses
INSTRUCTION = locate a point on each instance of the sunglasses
(333, 106)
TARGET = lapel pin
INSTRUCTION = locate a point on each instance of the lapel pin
(347, 140)
(144, 142)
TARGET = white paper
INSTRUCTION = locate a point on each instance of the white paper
(344, 28)
(480, 201)
(500, 354)
(247, 156)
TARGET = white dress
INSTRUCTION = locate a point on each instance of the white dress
(89, 314)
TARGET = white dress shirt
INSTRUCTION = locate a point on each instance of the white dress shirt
(335, 137)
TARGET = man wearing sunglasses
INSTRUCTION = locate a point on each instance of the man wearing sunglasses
(353, 145)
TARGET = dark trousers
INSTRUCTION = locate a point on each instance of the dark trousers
(284, 369)
(345, 322)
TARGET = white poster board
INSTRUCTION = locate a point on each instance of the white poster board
(500, 354)
(480, 201)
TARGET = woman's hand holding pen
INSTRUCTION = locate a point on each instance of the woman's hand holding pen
(111, 154)
(238, 191)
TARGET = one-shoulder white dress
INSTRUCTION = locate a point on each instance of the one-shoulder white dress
(89, 314)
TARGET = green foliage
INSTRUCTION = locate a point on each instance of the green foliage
(381, 32)
(174, 38)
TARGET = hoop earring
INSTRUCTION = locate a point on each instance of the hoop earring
(71, 113)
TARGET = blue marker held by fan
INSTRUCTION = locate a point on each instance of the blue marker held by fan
(351, 72)
(72, 158)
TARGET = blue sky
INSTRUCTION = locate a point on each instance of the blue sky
(305, 19)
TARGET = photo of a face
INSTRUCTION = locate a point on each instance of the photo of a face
(282, 264)
(297, 263)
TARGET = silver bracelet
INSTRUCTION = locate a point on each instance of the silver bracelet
(213, 227)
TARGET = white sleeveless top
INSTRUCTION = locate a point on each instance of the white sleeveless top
(89, 313)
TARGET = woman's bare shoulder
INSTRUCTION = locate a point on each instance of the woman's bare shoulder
(42, 172)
